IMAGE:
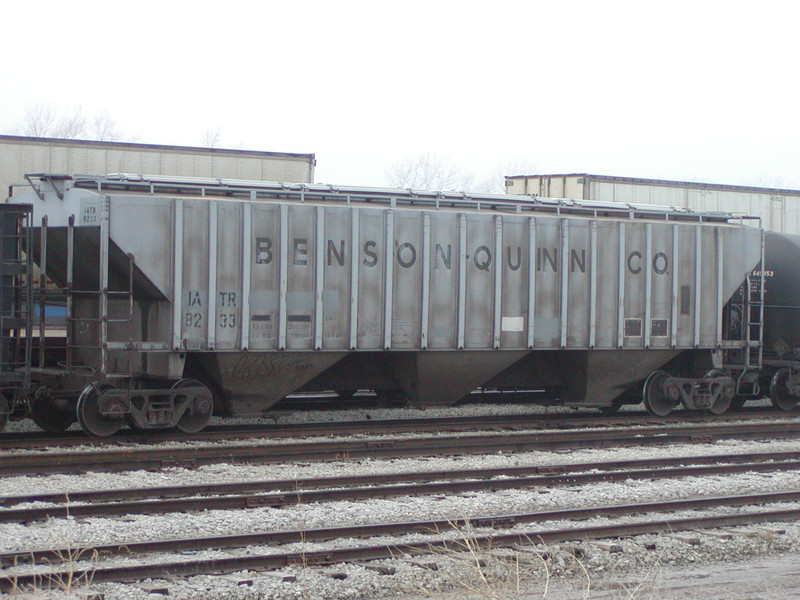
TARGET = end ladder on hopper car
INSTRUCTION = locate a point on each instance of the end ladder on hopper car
(101, 383)
(85, 332)
(16, 300)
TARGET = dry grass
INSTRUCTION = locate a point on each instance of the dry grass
(68, 575)
(69, 571)
(477, 570)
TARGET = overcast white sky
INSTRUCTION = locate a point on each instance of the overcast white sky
(702, 90)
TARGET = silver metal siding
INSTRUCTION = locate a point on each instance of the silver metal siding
(547, 319)
(371, 269)
(229, 292)
(336, 250)
(708, 288)
(318, 285)
(443, 305)
(634, 285)
(296, 277)
(479, 279)
(577, 263)
(513, 258)
(408, 255)
(196, 260)
(607, 284)
(660, 269)
(264, 276)
(300, 288)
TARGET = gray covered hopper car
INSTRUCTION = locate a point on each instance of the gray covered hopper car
(188, 296)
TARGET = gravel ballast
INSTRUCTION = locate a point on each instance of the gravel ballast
(564, 573)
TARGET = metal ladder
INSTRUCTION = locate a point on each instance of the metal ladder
(747, 383)
(16, 301)
(754, 325)
(99, 322)
(102, 321)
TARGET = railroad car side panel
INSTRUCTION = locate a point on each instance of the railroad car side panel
(371, 279)
(301, 247)
(661, 266)
(339, 246)
(408, 256)
(445, 260)
(608, 284)
(197, 329)
(687, 262)
(635, 276)
(577, 252)
(264, 276)
(480, 292)
(708, 289)
(515, 260)
(549, 262)
(228, 274)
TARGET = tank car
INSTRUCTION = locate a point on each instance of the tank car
(779, 377)
(190, 297)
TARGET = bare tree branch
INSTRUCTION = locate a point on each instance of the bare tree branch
(211, 138)
(39, 120)
(105, 129)
(42, 120)
(70, 127)
(438, 173)
(428, 172)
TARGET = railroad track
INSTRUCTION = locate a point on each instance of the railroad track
(443, 536)
(256, 494)
(40, 439)
(130, 458)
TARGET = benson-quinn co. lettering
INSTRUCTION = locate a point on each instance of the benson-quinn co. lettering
(481, 257)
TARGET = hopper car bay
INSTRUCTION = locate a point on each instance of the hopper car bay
(190, 297)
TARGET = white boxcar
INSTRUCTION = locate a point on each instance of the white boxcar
(778, 209)
(260, 290)
(20, 155)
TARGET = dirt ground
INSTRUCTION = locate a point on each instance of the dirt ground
(763, 578)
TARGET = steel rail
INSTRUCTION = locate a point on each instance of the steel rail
(40, 439)
(377, 486)
(294, 485)
(396, 549)
(273, 430)
(129, 459)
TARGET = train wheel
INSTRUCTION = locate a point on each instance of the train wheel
(721, 404)
(4, 411)
(655, 397)
(779, 394)
(725, 399)
(46, 415)
(201, 405)
(89, 415)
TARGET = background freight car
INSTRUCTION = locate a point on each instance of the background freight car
(779, 209)
(20, 155)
